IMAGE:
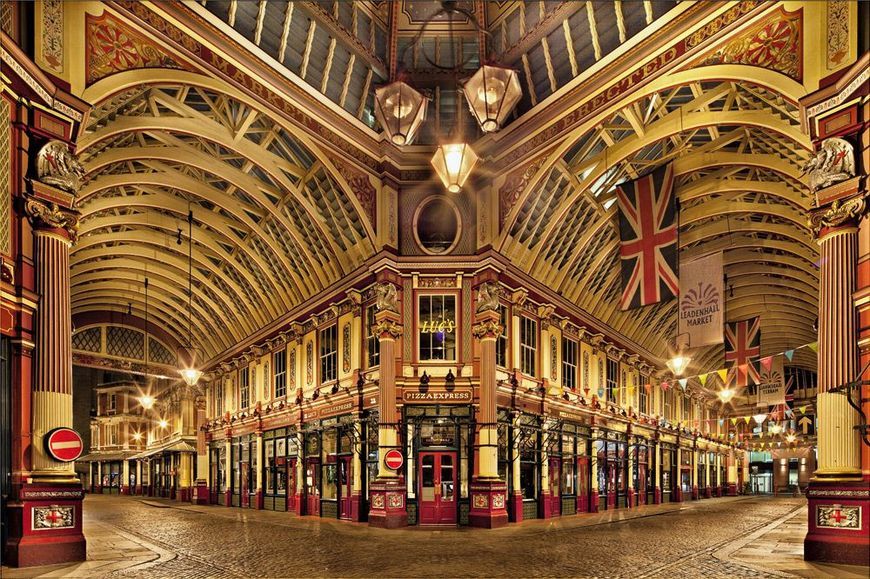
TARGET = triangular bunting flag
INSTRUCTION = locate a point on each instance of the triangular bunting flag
(733, 422)
(789, 354)
(665, 385)
(723, 374)
(803, 409)
(703, 379)
(747, 419)
(766, 363)
(683, 382)
(814, 346)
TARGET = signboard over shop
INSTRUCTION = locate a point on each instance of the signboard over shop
(439, 396)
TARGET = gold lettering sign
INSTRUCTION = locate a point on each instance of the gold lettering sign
(458, 396)
(438, 326)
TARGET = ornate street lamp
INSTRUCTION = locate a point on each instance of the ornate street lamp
(401, 110)
(492, 93)
(454, 162)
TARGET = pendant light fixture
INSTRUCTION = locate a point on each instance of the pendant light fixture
(190, 374)
(491, 94)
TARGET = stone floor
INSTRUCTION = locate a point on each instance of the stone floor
(728, 537)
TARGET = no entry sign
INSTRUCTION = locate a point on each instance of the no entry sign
(64, 444)
(394, 459)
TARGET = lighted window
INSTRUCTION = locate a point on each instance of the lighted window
(328, 353)
(245, 387)
(113, 403)
(436, 327)
(612, 380)
(280, 373)
(643, 406)
(373, 343)
(569, 363)
(501, 344)
(528, 345)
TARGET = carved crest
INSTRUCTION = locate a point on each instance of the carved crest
(57, 166)
(386, 297)
(487, 297)
(832, 163)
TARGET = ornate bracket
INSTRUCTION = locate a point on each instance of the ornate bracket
(486, 329)
(837, 214)
(51, 216)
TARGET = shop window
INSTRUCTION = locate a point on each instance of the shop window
(569, 363)
(245, 387)
(528, 345)
(280, 374)
(373, 343)
(612, 379)
(436, 323)
(328, 354)
(643, 407)
(501, 343)
(529, 434)
(113, 403)
(371, 453)
(687, 408)
(330, 468)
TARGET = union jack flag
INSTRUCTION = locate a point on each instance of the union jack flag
(648, 239)
(742, 349)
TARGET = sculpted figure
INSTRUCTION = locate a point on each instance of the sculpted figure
(386, 297)
(57, 166)
(487, 297)
(832, 163)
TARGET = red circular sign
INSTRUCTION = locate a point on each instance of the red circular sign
(394, 459)
(64, 444)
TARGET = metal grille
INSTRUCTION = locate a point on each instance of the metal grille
(87, 340)
(7, 22)
(5, 160)
(125, 342)
(159, 353)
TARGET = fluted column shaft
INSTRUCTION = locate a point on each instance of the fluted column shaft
(52, 382)
(388, 416)
(487, 331)
(838, 442)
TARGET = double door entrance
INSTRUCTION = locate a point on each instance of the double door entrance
(437, 487)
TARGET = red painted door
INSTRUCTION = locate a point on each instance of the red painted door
(312, 490)
(641, 484)
(245, 484)
(611, 484)
(345, 481)
(291, 484)
(436, 477)
(555, 487)
(583, 484)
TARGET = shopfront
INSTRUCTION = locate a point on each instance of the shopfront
(440, 442)
(281, 454)
(217, 472)
(106, 476)
(723, 475)
(164, 474)
(642, 474)
(686, 455)
(702, 473)
(338, 441)
(568, 468)
(243, 461)
(669, 473)
(612, 454)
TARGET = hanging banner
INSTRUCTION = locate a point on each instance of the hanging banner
(701, 305)
(648, 239)
(771, 386)
(742, 349)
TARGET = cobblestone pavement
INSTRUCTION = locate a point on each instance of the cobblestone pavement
(662, 541)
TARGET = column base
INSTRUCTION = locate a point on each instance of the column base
(517, 507)
(545, 505)
(184, 494)
(695, 494)
(582, 504)
(228, 499)
(708, 492)
(488, 504)
(593, 501)
(139, 491)
(45, 525)
(732, 490)
(839, 522)
(258, 500)
(657, 496)
(200, 493)
(125, 490)
(355, 501)
(678, 495)
(388, 498)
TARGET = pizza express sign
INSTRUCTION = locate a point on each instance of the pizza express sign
(457, 396)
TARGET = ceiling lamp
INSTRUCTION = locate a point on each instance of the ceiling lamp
(147, 402)
(454, 162)
(678, 364)
(492, 93)
(775, 428)
(726, 394)
(759, 418)
(401, 110)
(790, 438)
(189, 374)
(163, 423)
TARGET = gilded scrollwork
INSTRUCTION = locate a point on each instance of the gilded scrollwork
(837, 214)
(388, 328)
(50, 215)
(486, 329)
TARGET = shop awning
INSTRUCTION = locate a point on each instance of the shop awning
(105, 456)
(177, 446)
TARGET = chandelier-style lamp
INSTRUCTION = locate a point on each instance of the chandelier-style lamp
(726, 394)
(190, 374)
(492, 93)
(454, 162)
(678, 364)
(400, 110)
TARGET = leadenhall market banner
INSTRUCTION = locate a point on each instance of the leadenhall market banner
(701, 300)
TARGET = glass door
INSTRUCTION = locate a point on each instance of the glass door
(291, 484)
(583, 484)
(437, 488)
(244, 471)
(345, 482)
(555, 486)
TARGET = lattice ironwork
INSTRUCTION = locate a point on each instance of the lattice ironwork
(88, 340)
(125, 342)
(160, 354)
(5, 162)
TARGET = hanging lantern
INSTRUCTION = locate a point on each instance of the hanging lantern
(492, 93)
(191, 376)
(678, 364)
(454, 163)
(401, 110)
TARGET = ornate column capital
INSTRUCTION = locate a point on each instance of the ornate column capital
(387, 328)
(486, 329)
(838, 214)
(49, 216)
